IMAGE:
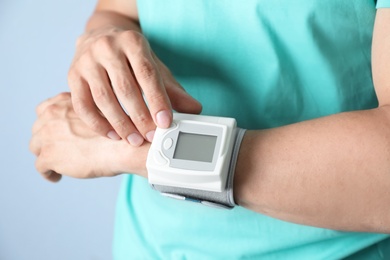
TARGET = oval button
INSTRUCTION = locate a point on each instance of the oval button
(158, 158)
(168, 143)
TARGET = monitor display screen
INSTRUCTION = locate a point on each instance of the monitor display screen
(195, 147)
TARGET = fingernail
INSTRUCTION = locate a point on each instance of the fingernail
(135, 139)
(150, 135)
(113, 135)
(163, 119)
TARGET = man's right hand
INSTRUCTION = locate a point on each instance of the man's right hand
(112, 71)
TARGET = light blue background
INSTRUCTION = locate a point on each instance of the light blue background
(38, 219)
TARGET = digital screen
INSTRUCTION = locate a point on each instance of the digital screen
(195, 147)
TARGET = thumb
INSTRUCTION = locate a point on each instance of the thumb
(181, 101)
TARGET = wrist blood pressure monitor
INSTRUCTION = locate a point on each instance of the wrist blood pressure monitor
(194, 159)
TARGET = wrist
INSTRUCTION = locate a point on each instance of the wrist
(91, 35)
(106, 22)
(133, 159)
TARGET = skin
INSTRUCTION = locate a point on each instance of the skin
(114, 64)
(331, 172)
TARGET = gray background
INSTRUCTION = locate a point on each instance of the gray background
(40, 220)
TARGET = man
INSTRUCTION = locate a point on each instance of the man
(298, 74)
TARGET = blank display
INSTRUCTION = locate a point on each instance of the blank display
(194, 147)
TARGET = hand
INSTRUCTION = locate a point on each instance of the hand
(113, 67)
(64, 145)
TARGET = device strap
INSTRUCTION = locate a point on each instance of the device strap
(240, 132)
(224, 199)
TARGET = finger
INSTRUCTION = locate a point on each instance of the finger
(35, 145)
(60, 97)
(86, 109)
(42, 167)
(54, 111)
(150, 81)
(39, 124)
(181, 101)
(108, 104)
(52, 176)
(128, 92)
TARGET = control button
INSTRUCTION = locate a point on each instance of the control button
(158, 158)
(168, 143)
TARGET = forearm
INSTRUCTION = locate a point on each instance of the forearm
(111, 16)
(103, 18)
(332, 172)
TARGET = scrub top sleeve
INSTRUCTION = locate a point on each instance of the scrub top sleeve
(383, 4)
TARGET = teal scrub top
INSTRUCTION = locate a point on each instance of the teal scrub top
(267, 64)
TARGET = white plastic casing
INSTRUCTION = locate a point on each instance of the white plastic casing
(164, 169)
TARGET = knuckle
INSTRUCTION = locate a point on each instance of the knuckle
(120, 125)
(146, 69)
(85, 61)
(157, 97)
(100, 95)
(79, 106)
(96, 125)
(123, 87)
(64, 96)
(104, 44)
(132, 37)
(41, 107)
(52, 110)
(142, 120)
